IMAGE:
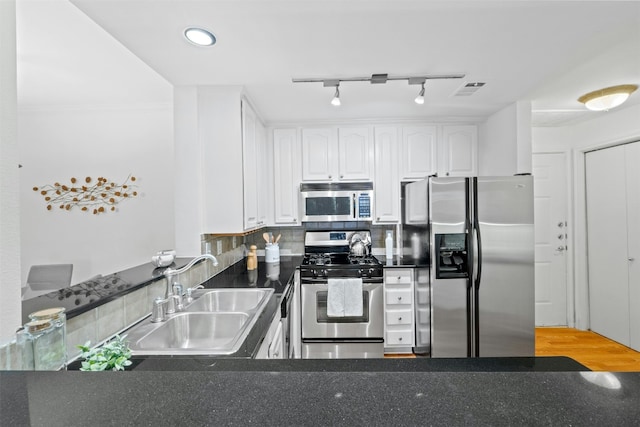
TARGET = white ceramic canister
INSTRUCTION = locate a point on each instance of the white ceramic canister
(272, 252)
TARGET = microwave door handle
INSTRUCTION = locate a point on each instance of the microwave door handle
(353, 195)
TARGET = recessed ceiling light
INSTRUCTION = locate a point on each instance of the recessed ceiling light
(200, 36)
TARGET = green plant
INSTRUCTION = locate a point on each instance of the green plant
(113, 356)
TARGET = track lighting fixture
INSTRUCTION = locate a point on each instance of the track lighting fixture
(336, 97)
(377, 79)
(420, 98)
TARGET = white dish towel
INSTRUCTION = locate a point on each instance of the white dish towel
(344, 298)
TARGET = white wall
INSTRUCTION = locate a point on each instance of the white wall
(504, 146)
(609, 128)
(57, 144)
(10, 312)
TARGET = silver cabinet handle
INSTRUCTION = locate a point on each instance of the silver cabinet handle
(632, 259)
(560, 248)
(400, 339)
(399, 319)
(399, 298)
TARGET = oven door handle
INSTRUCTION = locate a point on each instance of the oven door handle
(322, 285)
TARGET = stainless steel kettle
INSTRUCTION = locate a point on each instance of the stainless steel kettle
(358, 247)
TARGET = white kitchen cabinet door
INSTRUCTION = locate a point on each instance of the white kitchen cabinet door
(386, 183)
(459, 150)
(399, 322)
(355, 154)
(262, 170)
(286, 174)
(319, 149)
(276, 348)
(249, 159)
(419, 152)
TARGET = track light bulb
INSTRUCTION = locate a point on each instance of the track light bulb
(336, 98)
(420, 98)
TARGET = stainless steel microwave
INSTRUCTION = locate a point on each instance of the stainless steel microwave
(348, 201)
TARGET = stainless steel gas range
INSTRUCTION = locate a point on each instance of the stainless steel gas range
(341, 296)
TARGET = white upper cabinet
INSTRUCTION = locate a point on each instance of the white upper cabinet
(249, 160)
(355, 153)
(330, 154)
(262, 170)
(418, 151)
(386, 183)
(459, 148)
(286, 174)
(319, 149)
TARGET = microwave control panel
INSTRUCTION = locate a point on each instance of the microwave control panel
(364, 205)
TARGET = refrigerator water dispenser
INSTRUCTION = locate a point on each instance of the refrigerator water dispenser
(451, 256)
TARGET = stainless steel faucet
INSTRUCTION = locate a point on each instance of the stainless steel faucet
(173, 295)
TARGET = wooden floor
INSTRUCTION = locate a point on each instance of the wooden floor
(588, 348)
(592, 350)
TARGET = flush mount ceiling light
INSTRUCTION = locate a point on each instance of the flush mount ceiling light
(607, 98)
(377, 79)
(200, 36)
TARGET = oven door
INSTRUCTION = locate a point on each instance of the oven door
(328, 206)
(316, 325)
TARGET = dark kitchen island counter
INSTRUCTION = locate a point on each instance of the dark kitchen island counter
(318, 397)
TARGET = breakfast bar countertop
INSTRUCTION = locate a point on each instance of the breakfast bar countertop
(317, 397)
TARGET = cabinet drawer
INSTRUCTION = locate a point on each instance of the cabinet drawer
(398, 277)
(399, 338)
(399, 317)
(398, 296)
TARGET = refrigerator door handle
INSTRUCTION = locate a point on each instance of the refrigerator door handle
(477, 282)
(478, 236)
(476, 232)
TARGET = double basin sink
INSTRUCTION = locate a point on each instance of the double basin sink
(216, 322)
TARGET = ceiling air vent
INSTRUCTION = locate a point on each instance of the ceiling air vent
(468, 89)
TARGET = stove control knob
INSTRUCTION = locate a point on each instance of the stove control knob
(371, 272)
(361, 273)
(324, 273)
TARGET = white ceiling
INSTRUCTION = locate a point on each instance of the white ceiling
(549, 52)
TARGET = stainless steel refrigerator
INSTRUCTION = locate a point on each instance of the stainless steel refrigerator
(472, 240)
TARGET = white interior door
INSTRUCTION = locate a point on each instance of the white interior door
(607, 243)
(632, 157)
(550, 205)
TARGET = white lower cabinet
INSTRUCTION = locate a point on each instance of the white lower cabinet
(399, 322)
(273, 345)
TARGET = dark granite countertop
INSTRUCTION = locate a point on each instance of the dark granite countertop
(87, 295)
(402, 262)
(274, 276)
(318, 397)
